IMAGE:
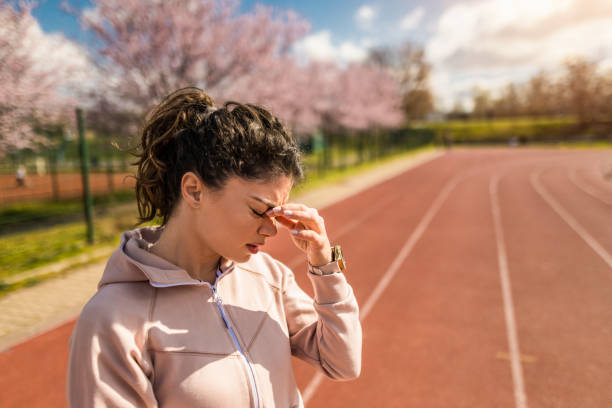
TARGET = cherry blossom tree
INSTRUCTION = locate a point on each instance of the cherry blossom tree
(148, 49)
(36, 73)
(367, 97)
(302, 96)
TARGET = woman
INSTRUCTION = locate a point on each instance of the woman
(192, 314)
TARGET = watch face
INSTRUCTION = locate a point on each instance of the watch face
(337, 256)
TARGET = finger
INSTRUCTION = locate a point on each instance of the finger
(295, 206)
(286, 222)
(306, 235)
(311, 218)
(289, 206)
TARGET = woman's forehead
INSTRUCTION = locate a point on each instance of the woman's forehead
(270, 192)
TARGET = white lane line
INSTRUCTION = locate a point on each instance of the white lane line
(520, 397)
(393, 268)
(586, 188)
(569, 219)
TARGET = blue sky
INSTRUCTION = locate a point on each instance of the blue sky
(336, 16)
(470, 43)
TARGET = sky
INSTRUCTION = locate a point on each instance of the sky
(469, 43)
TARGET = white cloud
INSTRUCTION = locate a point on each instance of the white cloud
(350, 52)
(365, 15)
(493, 42)
(319, 47)
(55, 54)
(412, 19)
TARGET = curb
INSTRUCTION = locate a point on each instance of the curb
(59, 267)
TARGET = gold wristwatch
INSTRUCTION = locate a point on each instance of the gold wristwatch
(338, 264)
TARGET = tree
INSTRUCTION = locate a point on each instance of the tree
(367, 97)
(604, 96)
(458, 111)
(33, 81)
(541, 96)
(482, 103)
(580, 84)
(412, 72)
(509, 103)
(149, 49)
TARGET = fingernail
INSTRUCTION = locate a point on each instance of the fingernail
(294, 232)
(276, 209)
(288, 212)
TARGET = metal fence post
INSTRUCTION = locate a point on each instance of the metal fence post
(84, 153)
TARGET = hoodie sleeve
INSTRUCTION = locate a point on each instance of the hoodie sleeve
(326, 332)
(108, 364)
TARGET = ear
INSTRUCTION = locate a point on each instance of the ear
(192, 189)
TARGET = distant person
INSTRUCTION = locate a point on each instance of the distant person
(193, 313)
(20, 176)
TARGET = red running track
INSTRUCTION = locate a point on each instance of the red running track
(484, 279)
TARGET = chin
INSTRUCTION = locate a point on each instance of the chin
(242, 258)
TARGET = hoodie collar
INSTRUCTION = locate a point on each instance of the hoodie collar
(132, 262)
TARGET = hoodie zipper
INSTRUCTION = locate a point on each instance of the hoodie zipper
(244, 359)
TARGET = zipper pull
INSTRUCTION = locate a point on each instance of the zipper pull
(219, 303)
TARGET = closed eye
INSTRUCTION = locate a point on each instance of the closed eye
(259, 214)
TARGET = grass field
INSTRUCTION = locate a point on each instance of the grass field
(33, 214)
(531, 129)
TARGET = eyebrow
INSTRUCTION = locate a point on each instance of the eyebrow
(264, 201)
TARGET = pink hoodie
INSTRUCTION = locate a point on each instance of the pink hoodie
(153, 336)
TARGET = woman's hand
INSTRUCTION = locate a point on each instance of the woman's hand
(307, 229)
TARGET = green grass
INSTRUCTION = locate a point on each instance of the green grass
(23, 251)
(532, 129)
(28, 213)
(586, 145)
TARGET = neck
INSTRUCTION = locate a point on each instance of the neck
(200, 263)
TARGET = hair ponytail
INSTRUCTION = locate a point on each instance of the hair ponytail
(186, 132)
(182, 110)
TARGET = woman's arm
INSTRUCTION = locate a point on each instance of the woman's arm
(108, 365)
(325, 332)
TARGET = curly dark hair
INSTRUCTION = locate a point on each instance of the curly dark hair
(186, 132)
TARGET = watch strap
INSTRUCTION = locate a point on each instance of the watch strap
(335, 266)
(327, 269)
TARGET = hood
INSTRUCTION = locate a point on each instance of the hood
(132, 262)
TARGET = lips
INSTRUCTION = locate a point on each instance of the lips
(253, 248)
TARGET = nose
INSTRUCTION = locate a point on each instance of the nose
(268, 228)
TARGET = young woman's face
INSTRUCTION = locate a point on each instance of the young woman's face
(232, 222)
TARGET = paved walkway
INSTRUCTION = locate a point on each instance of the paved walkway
(30, 311)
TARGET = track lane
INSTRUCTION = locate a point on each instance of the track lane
(586, 210)
(435, 336)
(371, 248)
(562, 301)
(588, 188)
(520, 397)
